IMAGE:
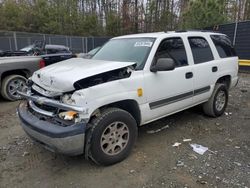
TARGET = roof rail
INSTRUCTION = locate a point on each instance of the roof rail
(182, 31)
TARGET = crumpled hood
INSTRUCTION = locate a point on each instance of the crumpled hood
(61, 76)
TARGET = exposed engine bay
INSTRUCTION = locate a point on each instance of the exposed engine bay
(102, 78)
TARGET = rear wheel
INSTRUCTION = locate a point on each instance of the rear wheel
(10, 85)
(113, 135)
(217, 103)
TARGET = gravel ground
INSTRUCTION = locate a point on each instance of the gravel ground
(154, 162)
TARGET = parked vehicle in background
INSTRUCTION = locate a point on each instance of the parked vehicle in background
(50, 59)
(38, 48)
(13, 74)
(94, 106)
(46, 49)
(12, 53)
(16, 69)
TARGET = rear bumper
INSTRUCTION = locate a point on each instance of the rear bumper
(67, 140)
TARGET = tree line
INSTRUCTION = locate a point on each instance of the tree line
(117, 17)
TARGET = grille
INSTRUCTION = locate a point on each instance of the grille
(46, 107)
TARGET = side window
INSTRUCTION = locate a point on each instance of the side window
(53, 51)
(173, 48)
(200, 49)
(223, 46)
(50, 51)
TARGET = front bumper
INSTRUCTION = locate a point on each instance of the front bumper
(67, 140)
(50, 102)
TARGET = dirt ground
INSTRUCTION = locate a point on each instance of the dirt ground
(154, 162)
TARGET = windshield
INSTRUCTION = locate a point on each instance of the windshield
(126, 49)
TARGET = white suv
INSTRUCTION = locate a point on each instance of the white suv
(94, 106)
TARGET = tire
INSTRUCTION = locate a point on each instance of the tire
(113, 135)
(217, 103)
(10, 85)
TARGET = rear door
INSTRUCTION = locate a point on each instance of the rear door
(205, 67)
(227, 58)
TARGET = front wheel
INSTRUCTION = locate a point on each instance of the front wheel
(217, 103)
(113, 135)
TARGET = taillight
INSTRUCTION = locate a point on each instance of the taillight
(41, 63)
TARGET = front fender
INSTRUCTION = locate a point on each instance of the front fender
(101, 95)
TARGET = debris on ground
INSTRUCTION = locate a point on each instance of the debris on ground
(187, 140)
(25, 153)
(213, 152)
(180, 163)
(158, 130)
(243, 90)
(201, 182)
(132, 171)
(237, 163)
(199, 148)
(176, 144)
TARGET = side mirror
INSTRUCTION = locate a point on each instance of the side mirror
(163, 64)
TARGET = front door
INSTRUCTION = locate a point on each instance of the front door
(169, 91)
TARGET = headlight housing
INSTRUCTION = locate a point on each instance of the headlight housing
(68, 115)
(67, 99)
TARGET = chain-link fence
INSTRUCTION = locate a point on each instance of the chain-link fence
(16, 40)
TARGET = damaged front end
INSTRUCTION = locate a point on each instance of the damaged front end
(58, 126)
(56, 110)
(59, 109)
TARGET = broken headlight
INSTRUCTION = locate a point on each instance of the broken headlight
(67, 99)
(68, 115)
(72, 116)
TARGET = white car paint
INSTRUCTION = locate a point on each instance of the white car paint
(155, 86)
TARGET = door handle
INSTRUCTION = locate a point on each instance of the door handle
(214, 69)
(189, 75)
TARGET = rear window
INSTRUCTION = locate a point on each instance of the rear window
(200, 49)
(223, 46)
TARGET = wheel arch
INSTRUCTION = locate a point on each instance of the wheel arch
(23, 72)
(129, 105)
(225, 80)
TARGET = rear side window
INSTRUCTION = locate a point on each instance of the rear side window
(173, 48)
(200, 49)
(223, 46)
